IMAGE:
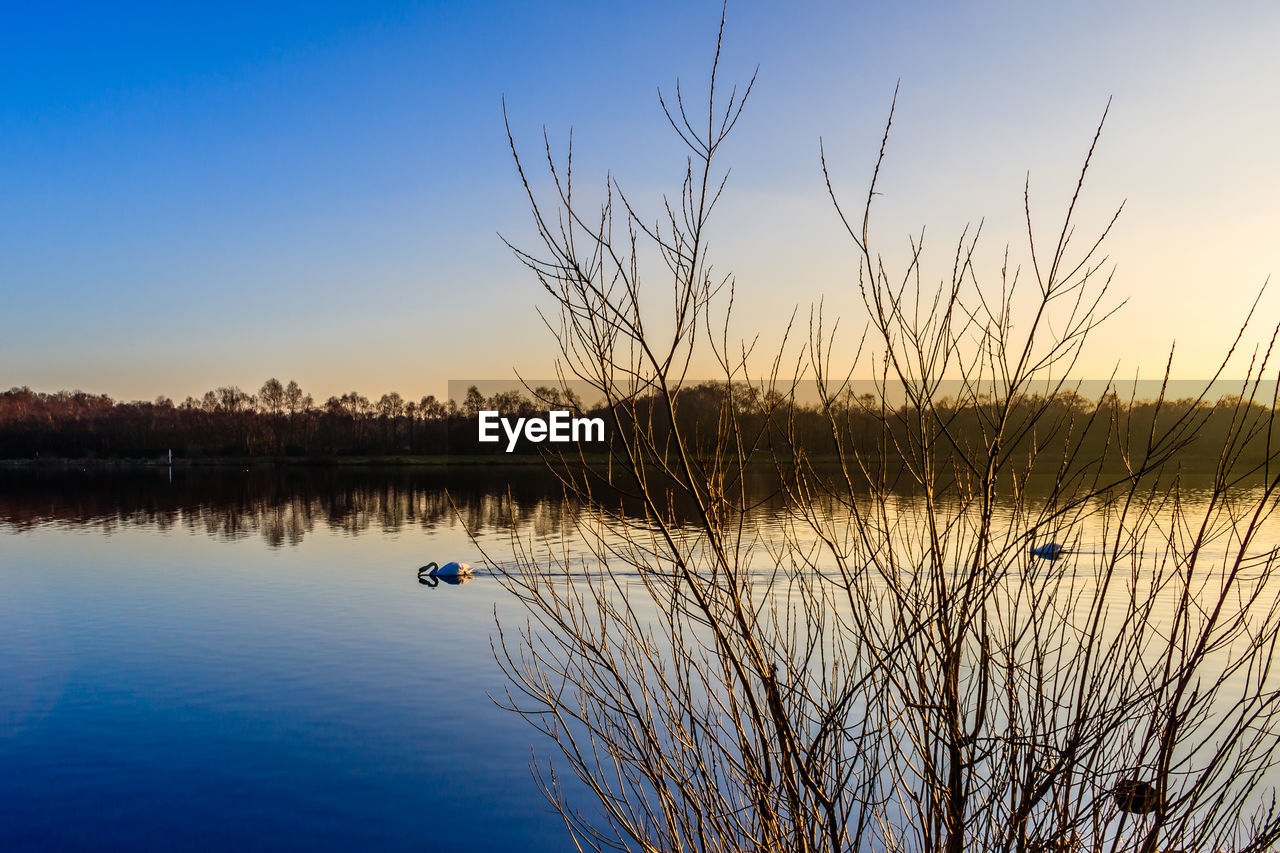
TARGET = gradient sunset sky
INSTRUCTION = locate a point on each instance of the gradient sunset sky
(195, 195)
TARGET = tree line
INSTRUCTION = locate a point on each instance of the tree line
(281, 420)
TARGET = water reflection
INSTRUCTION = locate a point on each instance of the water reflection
(284, 505)
(449, 580)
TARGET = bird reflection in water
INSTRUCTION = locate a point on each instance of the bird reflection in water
(451, 580)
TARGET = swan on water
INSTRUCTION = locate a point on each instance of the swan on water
(448, 570)
(1048, 551)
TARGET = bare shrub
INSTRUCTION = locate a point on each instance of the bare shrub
(888, 666)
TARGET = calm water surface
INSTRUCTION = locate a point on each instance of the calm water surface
(245, 659)
(239, 660)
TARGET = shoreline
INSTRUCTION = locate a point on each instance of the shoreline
(432, 461)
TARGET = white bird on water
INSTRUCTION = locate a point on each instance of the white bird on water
(448, 570)
(1049, 551)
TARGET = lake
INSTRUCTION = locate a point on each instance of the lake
(214, 659)
(246, 659)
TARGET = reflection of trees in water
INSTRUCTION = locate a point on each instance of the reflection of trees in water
(284, 505)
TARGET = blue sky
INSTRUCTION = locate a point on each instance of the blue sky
(204, 194)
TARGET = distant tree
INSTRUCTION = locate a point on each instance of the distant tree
(270, 402)
(510, 403)
(296, 404)
(411, 419)
(390, 410)
(473, 402)
(294, 400)
(391, 405)
(231, 399)
(271, 397)
(356, 405)
(431, 409)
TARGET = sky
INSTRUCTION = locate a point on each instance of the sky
(195, 195)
